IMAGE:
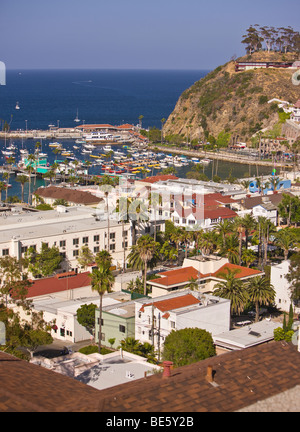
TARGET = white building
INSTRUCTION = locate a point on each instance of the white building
(156, 318)
(281, 285)
(68, 228)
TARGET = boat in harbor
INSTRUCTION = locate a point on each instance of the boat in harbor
(107, 148)
(17, 106)
(205, 161)
(98, 137)
(77, 119)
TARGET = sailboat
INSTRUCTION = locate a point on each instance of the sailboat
(77, 119)
(17, 106)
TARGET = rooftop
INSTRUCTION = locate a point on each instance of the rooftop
(68, 194)
(58, 283)
(241, 379)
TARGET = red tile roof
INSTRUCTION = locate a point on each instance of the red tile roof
(242, 272)
(184, 274)
(58, 283)
(177, 276)
(173, 303)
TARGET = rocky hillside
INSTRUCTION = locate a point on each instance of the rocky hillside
(235, 102)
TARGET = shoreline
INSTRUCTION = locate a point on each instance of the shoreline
(224, 157)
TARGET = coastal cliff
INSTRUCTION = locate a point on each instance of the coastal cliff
(235, 102)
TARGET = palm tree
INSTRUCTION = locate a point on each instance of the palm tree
(248, 257)
(22, 179)
(266, 228)
(192, 285)
(232, 289)
(145, 250)
(249, 224)
(224, 227)
(101, 280)
(285, 240)
(260, 291)
(231, 248)
(240, 228)
(30, 160)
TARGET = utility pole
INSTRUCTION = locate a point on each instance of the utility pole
(152, 324)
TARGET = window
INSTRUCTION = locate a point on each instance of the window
(122, 328)
(62, 243)
(85, 240)
(96, 249)
(5, 252)
(96, 238)
(24, 249)
(125, 244)
(75, 252)
(147, 230)
(62, 331)
(76, 241)
(172, 324)
(125, 233)
(112, 247)
(112, 236)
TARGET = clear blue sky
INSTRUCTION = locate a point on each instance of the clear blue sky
(152, 34)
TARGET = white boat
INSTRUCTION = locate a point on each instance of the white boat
(89, 146)
(98, 136)
(79, 141)
(205, 161)
(195, 160)
(76, 147)
(85, 151)
(76, 119)
(17, 106)
(55, 144)
(107, 148)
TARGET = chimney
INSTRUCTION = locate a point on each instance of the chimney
(209, 374)
(167, 369)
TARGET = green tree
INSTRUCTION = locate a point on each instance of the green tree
(22, 179)
(85, 257)
(260, 292)
(142, 253)
(10, 274)
(232, 289)
(187, 346)
(285, 240)
(45, 262)
(86, 316)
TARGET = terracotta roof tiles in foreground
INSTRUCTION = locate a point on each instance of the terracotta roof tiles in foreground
(241, 378)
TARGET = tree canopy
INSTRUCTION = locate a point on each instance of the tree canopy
(187, 346)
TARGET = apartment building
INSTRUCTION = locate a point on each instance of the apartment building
(156, 318)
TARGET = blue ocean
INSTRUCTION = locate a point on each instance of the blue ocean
(100, 96)
(116, 97)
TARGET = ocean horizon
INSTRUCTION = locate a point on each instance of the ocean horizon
(114, 96)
